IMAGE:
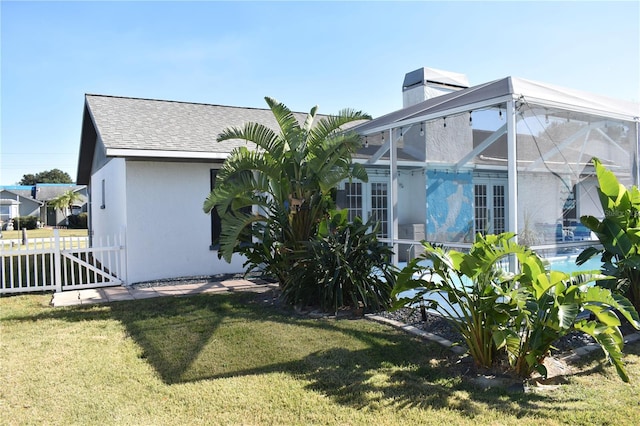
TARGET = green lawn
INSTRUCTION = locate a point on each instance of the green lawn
(44, 233)
(232, 359)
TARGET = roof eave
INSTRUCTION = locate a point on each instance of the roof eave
(148, 153)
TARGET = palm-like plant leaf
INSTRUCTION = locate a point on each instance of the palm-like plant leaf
(287, 179)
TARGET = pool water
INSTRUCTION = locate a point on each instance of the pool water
(565, 264)
(568, 264)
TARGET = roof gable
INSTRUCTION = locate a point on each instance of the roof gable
(151, 128)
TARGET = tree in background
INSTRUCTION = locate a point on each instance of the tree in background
(48, 176)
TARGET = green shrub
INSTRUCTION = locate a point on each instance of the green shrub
(521, 313)
(25, 222)
(619, 234)
(345, 266)
(78, 221)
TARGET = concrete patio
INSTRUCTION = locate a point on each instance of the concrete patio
(119, 293)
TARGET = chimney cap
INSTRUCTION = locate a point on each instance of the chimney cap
(424, 76)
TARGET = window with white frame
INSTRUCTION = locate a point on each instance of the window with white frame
(353, 199)
(367, 200)
(5, 213)
(379, 198)
(490, 207)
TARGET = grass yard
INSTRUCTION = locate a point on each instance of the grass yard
(234, 359)
(44, 233)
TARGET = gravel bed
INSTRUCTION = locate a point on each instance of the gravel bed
(436, 324)
(431, 322)
(193, 280)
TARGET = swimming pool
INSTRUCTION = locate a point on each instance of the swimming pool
(567, 264)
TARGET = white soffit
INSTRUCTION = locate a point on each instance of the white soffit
(145, 153)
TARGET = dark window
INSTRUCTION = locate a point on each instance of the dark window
(569, 210)
(216, 223)
(103, 195)
(216, 226)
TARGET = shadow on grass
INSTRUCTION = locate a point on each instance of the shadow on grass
(356, 363)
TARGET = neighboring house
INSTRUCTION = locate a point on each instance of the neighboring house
(506, 155)
(32, 200)
(14, 203)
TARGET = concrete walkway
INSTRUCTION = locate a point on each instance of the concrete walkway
(114, 294)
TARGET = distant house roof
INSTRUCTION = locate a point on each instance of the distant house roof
(147, 128)
(501, 90)
(49, 191)
(21, 190)
(18, 193)
(44, 191)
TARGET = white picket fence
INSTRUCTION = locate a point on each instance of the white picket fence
(61, 263)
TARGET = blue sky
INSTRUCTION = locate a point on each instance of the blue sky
(333, 54)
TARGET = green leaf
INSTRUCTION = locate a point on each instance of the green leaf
(587, 254)
(567, 314)
(610, 340)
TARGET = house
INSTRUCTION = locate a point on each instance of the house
(149, 165)
(508, 155)
(14, 203)
(33, 200)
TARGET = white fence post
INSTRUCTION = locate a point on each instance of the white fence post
(57, 261)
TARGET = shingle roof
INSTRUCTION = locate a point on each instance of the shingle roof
(145, 127)
(146, 124)
(44, 191)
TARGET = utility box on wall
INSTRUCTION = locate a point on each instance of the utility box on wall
(414, 232)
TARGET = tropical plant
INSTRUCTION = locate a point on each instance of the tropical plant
(619, 234)
(523, 313)
(462, 287)
(548, 305)
(346, 266)
(288, 179)
(65, 201)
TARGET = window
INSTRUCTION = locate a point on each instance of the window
(367, 200)
(353, 200)
(380, 207)
(5, 214)
(481, 214)
(216, 226)
(490, 208)
(216, 222)
(569, 210)
(103, 205)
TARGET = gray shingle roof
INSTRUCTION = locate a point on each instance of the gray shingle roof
(145, 124)
(162, 129)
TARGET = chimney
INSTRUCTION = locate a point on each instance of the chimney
(427, 83)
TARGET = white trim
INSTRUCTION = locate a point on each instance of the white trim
(113, 152)
(401, 163)
(512, 174)
(393, 195)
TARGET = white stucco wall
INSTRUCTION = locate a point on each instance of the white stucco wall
(108, 219)
(540, 206)
(412, 199)
(168, 234)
